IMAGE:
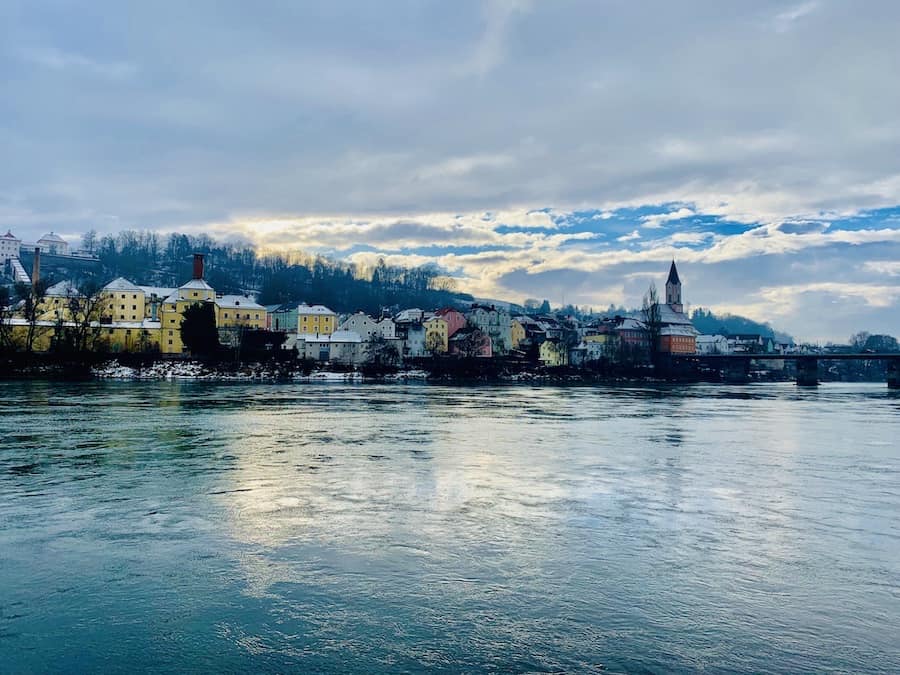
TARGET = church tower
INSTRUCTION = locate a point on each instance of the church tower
(673, 290)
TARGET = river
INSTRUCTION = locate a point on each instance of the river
(182, 527)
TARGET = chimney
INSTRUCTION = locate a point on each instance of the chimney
(36, 266)
(198, 266)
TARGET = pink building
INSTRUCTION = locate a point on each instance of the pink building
(455, 320)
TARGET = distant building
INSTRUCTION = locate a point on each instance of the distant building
(455, 319)
(9, 247)
(495, 323)
(315, 319)
(53, 244)
(712, 344)
(677, 334)
(552, 352)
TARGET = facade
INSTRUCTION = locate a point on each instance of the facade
(677, 340)
(436, 335)
(471, 342)
(712, 344)
(455, 319)
(495, 323)
(312, 319)
(9, 247)
(238, 311)
(123, 301)
(344, 347)
(516, 334)
(367, 327)
(53, 244)
(552, 353)
(413, 340)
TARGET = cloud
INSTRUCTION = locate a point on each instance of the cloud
(785, 20)
(59, 60)
(518, 145)
(657, 220)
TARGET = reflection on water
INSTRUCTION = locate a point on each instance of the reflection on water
(407, 527)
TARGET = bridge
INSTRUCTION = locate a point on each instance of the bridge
(736, 367)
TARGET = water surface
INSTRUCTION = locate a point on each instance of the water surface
(387, 528)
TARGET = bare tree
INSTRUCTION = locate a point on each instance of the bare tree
(85, 309)
(6, 315)
(89, 241)
(652, 316)
(32, 298)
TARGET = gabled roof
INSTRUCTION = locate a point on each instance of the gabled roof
(9, 235)
(238, 301)
(667, 315)
(197, 284)
(63, 289)
(303, 308)
(673, 275)
(121, 284)
(55, 238)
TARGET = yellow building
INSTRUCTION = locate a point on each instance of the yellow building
(140, 336)
(315, 320)
(600, 338)
(516, 334)
(552, 353)
(436, 335)
(239, 311)
(54, 306)
(123, 301)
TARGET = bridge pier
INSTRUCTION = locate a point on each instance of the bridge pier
(736, 371)
(807, 371)
(893, 374)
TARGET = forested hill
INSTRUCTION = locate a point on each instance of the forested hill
(147, 258)
(709, 323)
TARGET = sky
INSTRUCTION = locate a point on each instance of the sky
(561, 149)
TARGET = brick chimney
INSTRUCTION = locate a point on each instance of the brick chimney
(36, 266)
(198, 266)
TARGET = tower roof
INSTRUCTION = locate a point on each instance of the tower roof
(673, 275)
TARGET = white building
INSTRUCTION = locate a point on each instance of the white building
(367, 327)
(53, 244)
(9, 247)
(495, 323)
(342, 346)
(712, 344)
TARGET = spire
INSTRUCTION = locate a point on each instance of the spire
(673, 275)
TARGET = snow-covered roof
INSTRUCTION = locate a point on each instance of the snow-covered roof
(9, 235)
(669, 315)
(235, 301)
(158, 291)
(63, 289)
(121, 284)
(686, 331)
(303, 308)
(704, 339)
(55, 238)
(197, 284)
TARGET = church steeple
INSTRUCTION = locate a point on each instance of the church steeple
(673, 289)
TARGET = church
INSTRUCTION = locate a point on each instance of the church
(677, 335)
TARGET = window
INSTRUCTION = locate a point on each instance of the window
(226, 315)
(134, 296)
(170, 342)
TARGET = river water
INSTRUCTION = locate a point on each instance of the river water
(181, 527)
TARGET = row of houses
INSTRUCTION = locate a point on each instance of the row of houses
(133, 317)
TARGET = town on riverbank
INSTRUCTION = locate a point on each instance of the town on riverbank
(80, 325)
